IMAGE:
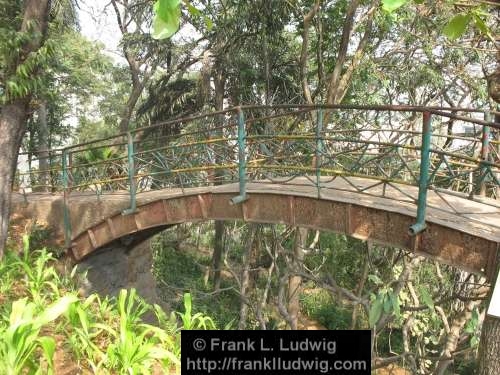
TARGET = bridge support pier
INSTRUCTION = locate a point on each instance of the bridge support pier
(116, 268)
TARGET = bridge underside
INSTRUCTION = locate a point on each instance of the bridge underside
(460, 232)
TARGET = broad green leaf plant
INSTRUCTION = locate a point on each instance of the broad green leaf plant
(166, 19)
(167, 15)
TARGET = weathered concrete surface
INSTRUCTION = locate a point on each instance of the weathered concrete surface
(461, 232)
(112, 269)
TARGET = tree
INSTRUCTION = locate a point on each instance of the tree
(21, 55)
(75, 77)
(144, 55)
(490, 347)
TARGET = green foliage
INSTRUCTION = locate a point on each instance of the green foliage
(196, 321)
(426, 297)
(392, 5)
(84, 329)
(175, 268)
(457, 26)
(166, 19)
(385, 301)
(473, 328)
(21, 338)
(104, 335)
(322, 307)
(134, 349)
(41, 280)
(340, 255)
(21, 73)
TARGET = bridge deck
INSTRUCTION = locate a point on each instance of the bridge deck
(479, 217)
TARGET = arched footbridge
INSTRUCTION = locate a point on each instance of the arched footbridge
(424, 179)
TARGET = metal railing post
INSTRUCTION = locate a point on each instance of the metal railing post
(131, 175)
(66, 213)
(242, 163)
(319, 149)
(420, 225)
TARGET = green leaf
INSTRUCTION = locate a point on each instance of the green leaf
(391, 5)
(375, 279)
(167, 18)
(48, 345)
(209, 23)
(395, 304)
(474, 341)
(193, 10)
(457, 26)
(426, 298)
(26, 243)
(375, 311)
(18, 308)
(56, 309)
(482, 27)
(387, 304)
(188, 303)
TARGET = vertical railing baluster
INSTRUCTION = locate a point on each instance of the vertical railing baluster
(425, 147)
(242, 164)
(319, 149)
(131, 175)
(66, 191)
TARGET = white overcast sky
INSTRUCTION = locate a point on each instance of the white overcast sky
(98, 23)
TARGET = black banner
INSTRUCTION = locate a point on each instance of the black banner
(275, 352)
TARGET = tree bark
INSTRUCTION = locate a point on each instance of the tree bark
(295, 281)
(219, 83)
(128, 111)
(454, 335)
(245, 275)
(489, 362)
(43, 149)
(140, 77)
(304, 50)
(342, 54)
(489, 345)
(14, 113)
(12, 128)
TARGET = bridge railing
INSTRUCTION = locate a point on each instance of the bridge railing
(452, 149)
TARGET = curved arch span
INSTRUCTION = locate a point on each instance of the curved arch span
(470, 245)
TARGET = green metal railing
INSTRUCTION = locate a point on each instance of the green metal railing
(286, 144)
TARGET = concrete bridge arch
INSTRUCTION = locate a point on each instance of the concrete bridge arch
(460, 232)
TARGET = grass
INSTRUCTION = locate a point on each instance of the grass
(179, 271)
(99, 335)
(321, 307)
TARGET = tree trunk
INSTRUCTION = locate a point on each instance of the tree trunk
(12, 127)
(454, 335)
(14, 113)
(43, 149)
(218, 251)
(294, 282)
(127, 112)
(219, 83)
(489, 350)
(245, 275)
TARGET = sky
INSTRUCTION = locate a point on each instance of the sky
(98, 23)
